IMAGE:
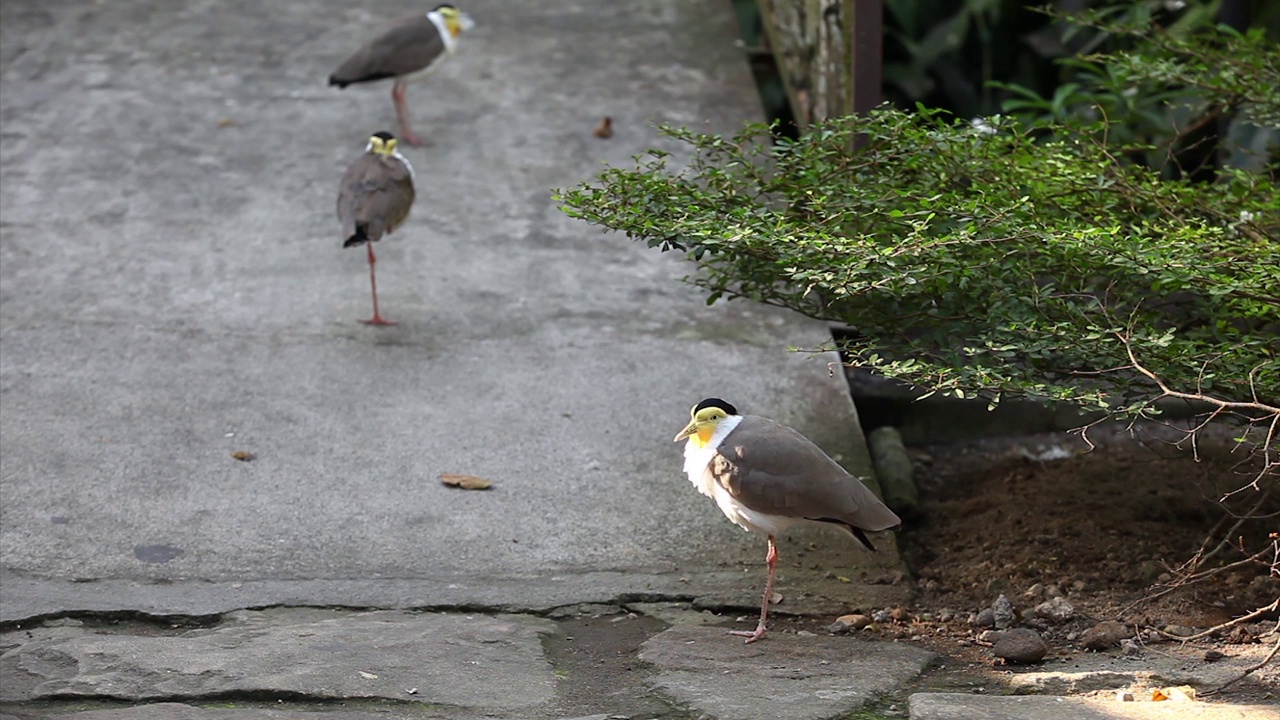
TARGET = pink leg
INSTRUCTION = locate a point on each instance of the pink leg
(771, 559)
(402, 114)
(373, 282)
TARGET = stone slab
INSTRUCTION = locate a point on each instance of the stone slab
(1164, 665)
(960, 706)
(809, 677)
(183, 711)
(491, 662)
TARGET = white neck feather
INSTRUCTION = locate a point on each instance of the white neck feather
(408, 166)
(450, 42)
(696, 458)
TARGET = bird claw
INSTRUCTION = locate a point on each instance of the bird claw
(750, 635)
(379, 322)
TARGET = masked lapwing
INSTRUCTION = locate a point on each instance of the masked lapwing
(767, 477)
(374, 198)
(409, 48)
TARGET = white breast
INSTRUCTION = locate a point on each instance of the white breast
(697, 461)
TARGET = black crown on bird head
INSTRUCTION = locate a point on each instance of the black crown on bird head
(716, 403)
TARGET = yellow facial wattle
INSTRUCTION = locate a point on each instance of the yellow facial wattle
(703, 436)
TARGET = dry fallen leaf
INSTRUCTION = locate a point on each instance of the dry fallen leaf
(226, 122)
(1181, 692)
(243, 455)
(466, 482)
(605, 129)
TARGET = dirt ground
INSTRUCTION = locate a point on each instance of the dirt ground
(1107, 527)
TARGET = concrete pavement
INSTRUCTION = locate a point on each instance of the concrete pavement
(174, 291)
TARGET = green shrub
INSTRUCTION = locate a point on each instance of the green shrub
(1032, 257)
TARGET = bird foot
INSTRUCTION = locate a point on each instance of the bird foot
(378, 321)
(750, 635)
(407, 137)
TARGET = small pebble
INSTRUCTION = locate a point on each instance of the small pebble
(1058, 610)
(1003, 613)
(1106, 634)
(1020, 646)
(845, 623)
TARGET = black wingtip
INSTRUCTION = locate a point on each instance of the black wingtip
(862, 538)
(333, 80)
(359, 237)
(855, 531)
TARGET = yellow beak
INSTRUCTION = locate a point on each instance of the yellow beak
(688, 430)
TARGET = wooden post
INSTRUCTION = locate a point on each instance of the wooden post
(828, 54)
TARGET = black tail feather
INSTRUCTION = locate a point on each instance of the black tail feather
(855, 531)
(359, 237)
(862, 538)
(343, 82)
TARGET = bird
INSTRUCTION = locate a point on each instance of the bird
(409, 47)
(374, 198)
(767, 477)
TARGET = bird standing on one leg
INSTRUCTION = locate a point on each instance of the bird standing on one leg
(767, 477)
(374, 198)
(410, 47)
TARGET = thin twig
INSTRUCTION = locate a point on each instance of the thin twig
(1217, 628)
(1247, 671)
(1193, 579)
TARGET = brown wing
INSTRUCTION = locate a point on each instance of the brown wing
(374, 197)
(773, 469)
(408, 45)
